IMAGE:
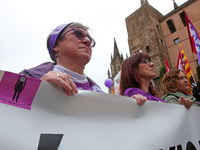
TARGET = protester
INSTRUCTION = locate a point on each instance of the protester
(70, 47)
(136, 79)
(175, 85)
(196, 91)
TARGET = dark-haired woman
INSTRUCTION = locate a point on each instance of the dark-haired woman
(137, 74)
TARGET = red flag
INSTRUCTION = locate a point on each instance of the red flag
(180, 62)
(193, 35)
(166, 65)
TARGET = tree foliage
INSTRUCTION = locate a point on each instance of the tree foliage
(162, 72)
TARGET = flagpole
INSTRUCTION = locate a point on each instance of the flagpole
(195, 66)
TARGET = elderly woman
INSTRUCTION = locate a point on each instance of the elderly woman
(70, 47)
(137, 73)
(175, 85)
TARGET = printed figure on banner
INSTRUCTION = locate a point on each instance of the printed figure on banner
(19, 86)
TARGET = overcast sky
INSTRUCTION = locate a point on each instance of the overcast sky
(25, 25)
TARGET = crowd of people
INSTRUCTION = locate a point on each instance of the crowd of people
(70, 47)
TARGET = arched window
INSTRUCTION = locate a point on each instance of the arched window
(158, 28)
(161, 41)
(148, 49)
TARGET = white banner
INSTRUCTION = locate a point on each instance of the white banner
(116, 83)
(98, 121)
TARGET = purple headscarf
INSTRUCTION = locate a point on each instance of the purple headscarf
(53, 37)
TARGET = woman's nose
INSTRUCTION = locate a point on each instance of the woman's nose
(151, 64)
(185, 80)
(86, 41)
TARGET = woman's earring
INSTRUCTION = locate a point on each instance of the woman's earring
(56, 55)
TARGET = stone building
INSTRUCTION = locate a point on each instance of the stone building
(159, 35)
(175, 31)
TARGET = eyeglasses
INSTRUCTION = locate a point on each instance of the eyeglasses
(146, 61)
(80, 35)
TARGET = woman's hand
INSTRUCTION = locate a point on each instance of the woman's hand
(140, 99)
(186, 102)
(63, 80)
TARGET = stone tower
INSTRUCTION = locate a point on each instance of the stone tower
(144, 33)
(144, 2)
(115, 64)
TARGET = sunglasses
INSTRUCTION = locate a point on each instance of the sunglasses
(80, 35)
(146, 61)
